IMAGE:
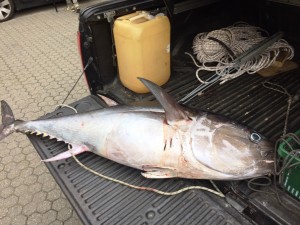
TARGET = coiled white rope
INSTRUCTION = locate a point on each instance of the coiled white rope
(217, 49)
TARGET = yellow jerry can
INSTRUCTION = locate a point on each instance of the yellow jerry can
(143, 49)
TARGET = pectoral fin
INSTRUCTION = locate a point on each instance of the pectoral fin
(75, 150)
(158, 172)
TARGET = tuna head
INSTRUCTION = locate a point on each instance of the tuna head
(228, 149)
(213, 146)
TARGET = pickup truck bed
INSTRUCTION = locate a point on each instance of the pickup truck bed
(98, 201)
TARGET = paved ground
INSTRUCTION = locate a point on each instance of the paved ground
(39, 63)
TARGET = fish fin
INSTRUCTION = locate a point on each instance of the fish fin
(174, 112)
(154, 172)
(108, 101)
(76, 149)
(8, 120)
(159, 174)
(63, 155)
(7, 114)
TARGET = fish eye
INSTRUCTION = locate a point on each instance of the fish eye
(255, 137)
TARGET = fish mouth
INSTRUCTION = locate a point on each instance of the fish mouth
(267, 151)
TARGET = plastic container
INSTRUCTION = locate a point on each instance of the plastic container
(291, 176)
(143, 49)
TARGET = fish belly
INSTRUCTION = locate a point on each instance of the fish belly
(135, 140)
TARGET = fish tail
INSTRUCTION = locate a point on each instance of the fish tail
(8, 120)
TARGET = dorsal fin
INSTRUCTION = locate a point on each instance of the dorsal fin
(174, 112)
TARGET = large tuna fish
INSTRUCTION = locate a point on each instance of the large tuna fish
(168, 142)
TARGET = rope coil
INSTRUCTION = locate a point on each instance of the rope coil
(217, 49)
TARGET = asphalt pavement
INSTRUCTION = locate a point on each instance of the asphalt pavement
(39, 63)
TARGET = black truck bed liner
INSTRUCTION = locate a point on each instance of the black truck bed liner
(98, 201)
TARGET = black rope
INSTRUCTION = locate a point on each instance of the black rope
(87, 65)
(168, 9)
(255, 182)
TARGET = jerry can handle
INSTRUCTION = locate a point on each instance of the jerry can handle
(142, 15)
